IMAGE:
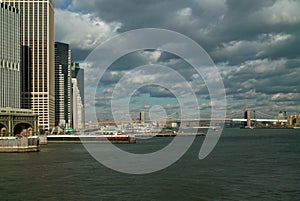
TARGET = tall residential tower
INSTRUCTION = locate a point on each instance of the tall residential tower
(37, 28)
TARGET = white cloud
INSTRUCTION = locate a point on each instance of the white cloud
(185, 13)
(185, 16)
(285, 97)
(260, 47)
(82, 31)
(267, 67)
(153, 57)
(283, 11)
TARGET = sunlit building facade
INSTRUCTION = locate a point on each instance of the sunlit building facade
(78, 97)
(37, 28)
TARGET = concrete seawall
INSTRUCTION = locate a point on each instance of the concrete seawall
(19, 145)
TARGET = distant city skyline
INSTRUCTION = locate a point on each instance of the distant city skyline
(253, 43)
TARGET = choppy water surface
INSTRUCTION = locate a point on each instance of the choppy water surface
(246, 165)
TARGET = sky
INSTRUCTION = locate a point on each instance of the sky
(255, 46)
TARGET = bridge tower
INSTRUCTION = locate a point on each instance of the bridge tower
(142, 117)
(247, 116)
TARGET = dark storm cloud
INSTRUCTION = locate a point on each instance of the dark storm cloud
(141, 58)
(165, 57)
(210, 23)
(262, 76)
(132, 13)
(129, 61)
(249, 21)
(156, 91)
(257, 40)
(80, 54)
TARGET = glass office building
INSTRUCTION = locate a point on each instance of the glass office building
(10, 56)
(63, 84)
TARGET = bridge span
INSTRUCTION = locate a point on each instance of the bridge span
(261, 120)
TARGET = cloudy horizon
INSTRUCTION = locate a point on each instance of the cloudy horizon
(254, 45)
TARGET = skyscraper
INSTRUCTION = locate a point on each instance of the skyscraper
(78, 73)
(37, 27)
(63, 84)
(78, 97)
(10, 56)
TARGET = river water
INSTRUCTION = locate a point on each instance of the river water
(245, 165)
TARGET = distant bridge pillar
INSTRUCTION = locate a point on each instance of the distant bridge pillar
(142, 117)
(248, 117)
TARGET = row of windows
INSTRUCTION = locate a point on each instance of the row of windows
(9, 87)
(9, 37)
(39, 11)
(10, 65)
(39, 96)
(8, 7)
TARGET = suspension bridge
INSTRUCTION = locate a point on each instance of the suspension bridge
(260, 117)
(247, 118)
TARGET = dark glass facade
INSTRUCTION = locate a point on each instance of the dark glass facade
(63, 81)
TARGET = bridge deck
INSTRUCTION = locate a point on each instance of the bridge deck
(261, 120)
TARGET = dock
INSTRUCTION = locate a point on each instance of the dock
(101, 139)
(179, 135)
(19, 144)
(43, 140)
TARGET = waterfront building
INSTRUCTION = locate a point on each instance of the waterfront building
(37, 39)
(13, 120)
(10, 56)
(78, 111)
(63, 85)
(294, 120)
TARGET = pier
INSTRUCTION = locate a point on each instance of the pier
(19, 145)
(18, 131)
(101, 139)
